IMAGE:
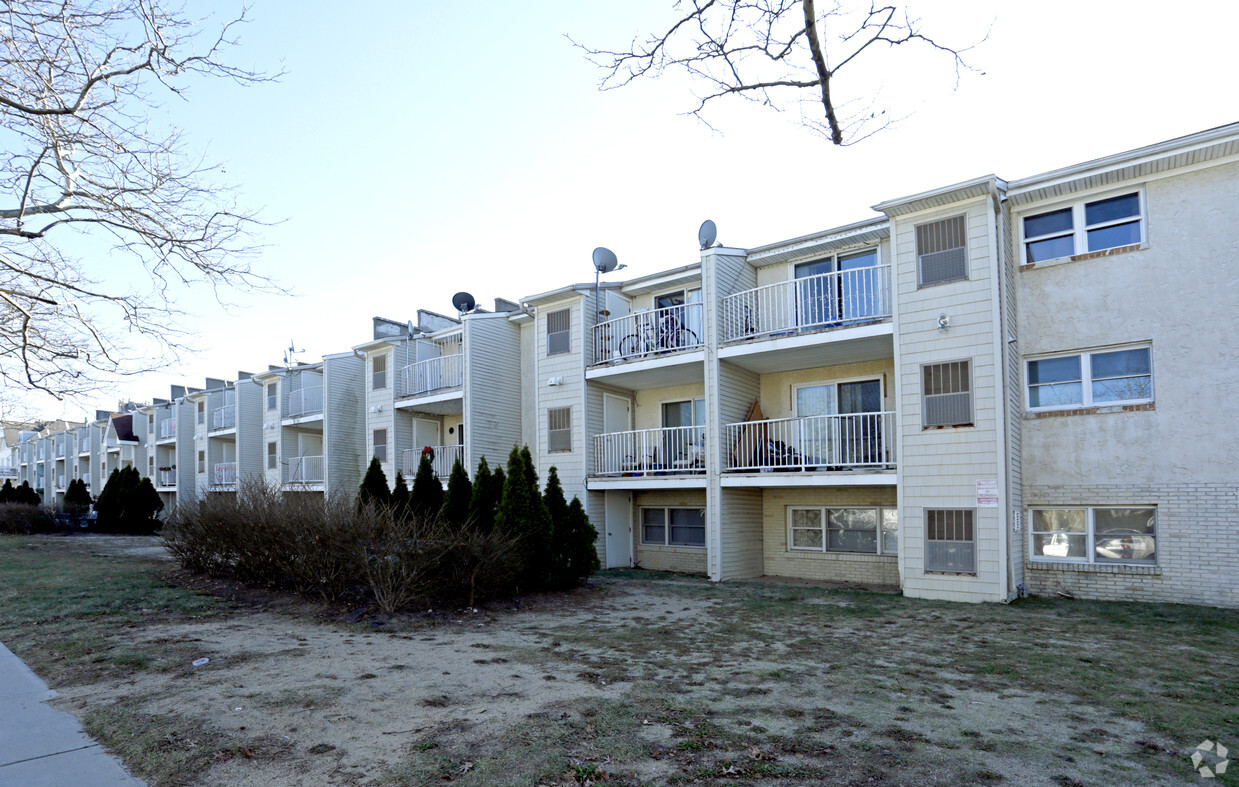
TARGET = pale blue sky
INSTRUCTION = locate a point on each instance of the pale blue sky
(414, 149)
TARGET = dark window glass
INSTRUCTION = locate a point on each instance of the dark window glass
(1112, 209)
(1051, 249)
(1117, 235)
(1048, 223)
(1054, 370)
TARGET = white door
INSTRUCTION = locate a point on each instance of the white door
(616, 414)
(619, 528)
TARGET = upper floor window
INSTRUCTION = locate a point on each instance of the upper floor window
(941, 251)
(1091, 378)
(380, 444)
(558, 332)
(559, 429)
(1094, 535)
(201, 411)
(272, 396)
(1084, 227)
(273, 456)
(947, 394)
(378, 368)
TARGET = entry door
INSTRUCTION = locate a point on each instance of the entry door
(615, 414)
(425, 432)
(684, 448)
(860, 296)
(816, 436)
(619, 528)
(861, 436)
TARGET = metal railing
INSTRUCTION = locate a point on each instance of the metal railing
(305, 401)
(305, 470)
(819, 442)
(646, 333)
(224, 417)
(828, 300)
(435, 374)
(444, 457)
(672, 450)
(60, 450)
(226, 473)
(85, 478)
(60, 482)
(166, 477)
(167, 428)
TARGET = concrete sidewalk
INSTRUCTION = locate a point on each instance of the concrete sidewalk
(41, 746)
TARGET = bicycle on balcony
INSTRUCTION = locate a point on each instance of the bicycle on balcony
(658, 335)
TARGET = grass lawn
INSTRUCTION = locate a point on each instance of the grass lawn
(645, 679)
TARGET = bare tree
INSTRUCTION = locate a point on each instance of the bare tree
(105, 213)
(770, 51)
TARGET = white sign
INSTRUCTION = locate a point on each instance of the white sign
(987, 493)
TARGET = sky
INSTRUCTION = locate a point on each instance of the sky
(415, 149)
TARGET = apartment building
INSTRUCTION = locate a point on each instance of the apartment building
(983, 390)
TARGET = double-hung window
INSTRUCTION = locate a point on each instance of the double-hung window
(1094, 535)
(559, 429)
(941, 251)
(273, 457)
(874, 531)
(272, 396)
(946, 395)
(559, 332)
(1086, 226)
(378, 369)
(201, 411)
(380, 444)
(1088, 379)
(674, 527)
(950, 540)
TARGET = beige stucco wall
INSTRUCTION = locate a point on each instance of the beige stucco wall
(825, 566)
(647, 414)
(690, 560)
(778, 398)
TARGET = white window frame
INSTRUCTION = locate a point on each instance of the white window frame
(975, 541)
(550, 431)
(201, 411)
(666, 542)
(1090, 550)
(1086, 378)
(376, 444)
(1079, 229)
(920, 273)
(824, 513)
(972, 395)
(378, 372)
(202, 461)
(566, 332)
(273, 396)
(273, 456)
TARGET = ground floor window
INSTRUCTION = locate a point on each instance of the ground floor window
(866, 530)
(673, 527)
(1095, 535)
(950, 540)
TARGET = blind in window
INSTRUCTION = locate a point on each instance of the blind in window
(559, 429)
(947, 399)
(942, 251)
(950, 542)
(558, 327)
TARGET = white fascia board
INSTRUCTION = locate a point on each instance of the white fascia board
(968, 189)
(559, 294)
(830, 236)
(656, 281)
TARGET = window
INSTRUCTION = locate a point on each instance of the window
(202, 461)
(380, 444)
(1094, 535)
(947, 394)
(559, 429)
(1089, 379)
(950, 541)
(150, 467)
(941, 251)
(1084, 227)
(867, 530)
(273, 399)
(272, 456)
(673, 527)
(201, 411)
(379, 368)
(558, 332)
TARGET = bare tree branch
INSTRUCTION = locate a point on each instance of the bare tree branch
(100, 212)
(760, 49)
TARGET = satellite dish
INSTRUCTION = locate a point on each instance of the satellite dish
(604, 260)
(412, 330)
(707, 234)
(463, 302)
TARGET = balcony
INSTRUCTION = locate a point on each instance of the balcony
(166, 477)
(444, 457)
(226, 474)
(224, 417)
(60, 451)
(820, 442)
(305, 401)
(436, 374)
(86, 479)
(676, 450)
(167, 428)
(815, 303)
(60, 482)
(306, 470)
(648, 334)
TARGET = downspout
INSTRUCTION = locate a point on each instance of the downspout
(1005, 349)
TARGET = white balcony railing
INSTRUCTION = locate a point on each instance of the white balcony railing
(648, 333)
(167, 428)
(306, 470)
(60, 482)
(305, 401)
(436, 374)
(224, 417)
(166, 477)
(819, 442)
(9, 472)
(670, 451)
(444, 457)
(60, 451)
(86, 479)
(828, 300)
(226, 474)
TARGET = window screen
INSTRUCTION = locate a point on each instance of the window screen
(379, 368)
(380, 444)
(558, 328)
(950, 541)
(559, 429)
(942, 251)
(947, 394)
(272, 399)
(272, 456)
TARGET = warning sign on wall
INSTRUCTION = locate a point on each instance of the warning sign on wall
(987, 493)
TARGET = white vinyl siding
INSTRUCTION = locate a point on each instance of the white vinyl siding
(950, 540)
(941, 251)
(559, 332)
(946, 394)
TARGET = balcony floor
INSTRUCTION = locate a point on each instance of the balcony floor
(658, 371)
(446, 402)
(789, 352)
(862, 477)
(683, 481)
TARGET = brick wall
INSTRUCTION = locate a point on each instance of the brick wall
(1197, 545)
(690, 560)
(779, 561)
